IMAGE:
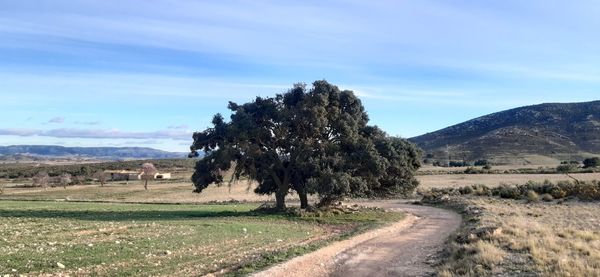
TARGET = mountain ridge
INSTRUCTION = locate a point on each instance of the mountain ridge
(550, 129)
(105, 153)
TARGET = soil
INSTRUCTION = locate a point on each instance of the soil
(408, 248)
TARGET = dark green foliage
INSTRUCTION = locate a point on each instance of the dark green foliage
(458, 163)
(480, 163)
(591, 162)
(312, 141)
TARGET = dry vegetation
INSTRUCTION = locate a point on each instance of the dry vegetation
(429, 168)
(493, 180)
(524, 237)
(532, 235)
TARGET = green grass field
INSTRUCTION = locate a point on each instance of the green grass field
(38, 238)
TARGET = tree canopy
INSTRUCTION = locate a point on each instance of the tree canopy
(591, 162)
(311, 141)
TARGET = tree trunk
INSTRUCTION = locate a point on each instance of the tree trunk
(280, 201)
(282, 189)
(146, 185)
(303, 199)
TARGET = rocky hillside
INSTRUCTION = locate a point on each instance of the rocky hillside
(106, 153)
(569, 130)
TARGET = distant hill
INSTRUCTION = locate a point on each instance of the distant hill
(102, 153)
(553, 130)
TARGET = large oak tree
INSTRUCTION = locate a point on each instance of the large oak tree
(311, 141)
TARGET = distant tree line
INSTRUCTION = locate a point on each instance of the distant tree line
(454, 163)
(588, 163)
(14, 171)
(42, 179)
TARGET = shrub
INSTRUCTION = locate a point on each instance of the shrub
(466, 190)
(481, 190)
(532, 196)
(487, 167)
(589, 191)
(471, 170)
(566, 168)
(532, 191)
(547, 197)
(507, 191)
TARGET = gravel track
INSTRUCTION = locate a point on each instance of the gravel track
(406, 248)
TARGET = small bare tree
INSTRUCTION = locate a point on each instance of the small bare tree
(41, 179)
(101, 177)
(567, 169)
(65, 179)
(148, 172)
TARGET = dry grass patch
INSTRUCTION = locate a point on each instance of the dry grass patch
(521, 237)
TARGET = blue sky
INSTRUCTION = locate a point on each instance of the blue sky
(149, 73)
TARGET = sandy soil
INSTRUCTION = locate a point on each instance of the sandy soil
(407, 248)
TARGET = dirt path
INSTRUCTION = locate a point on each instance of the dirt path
(406, 248)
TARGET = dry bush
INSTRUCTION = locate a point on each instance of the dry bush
(547, 197)
(586, 191)
(532, 196)
(41, 179)
(507, 237)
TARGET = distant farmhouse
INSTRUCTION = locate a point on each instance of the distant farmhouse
(125, 175)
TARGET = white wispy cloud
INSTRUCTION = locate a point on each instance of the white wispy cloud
(179, 127)
(97, 133)
(57, 120)
(87, 122)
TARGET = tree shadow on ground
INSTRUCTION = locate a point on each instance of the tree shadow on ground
(139, 215)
